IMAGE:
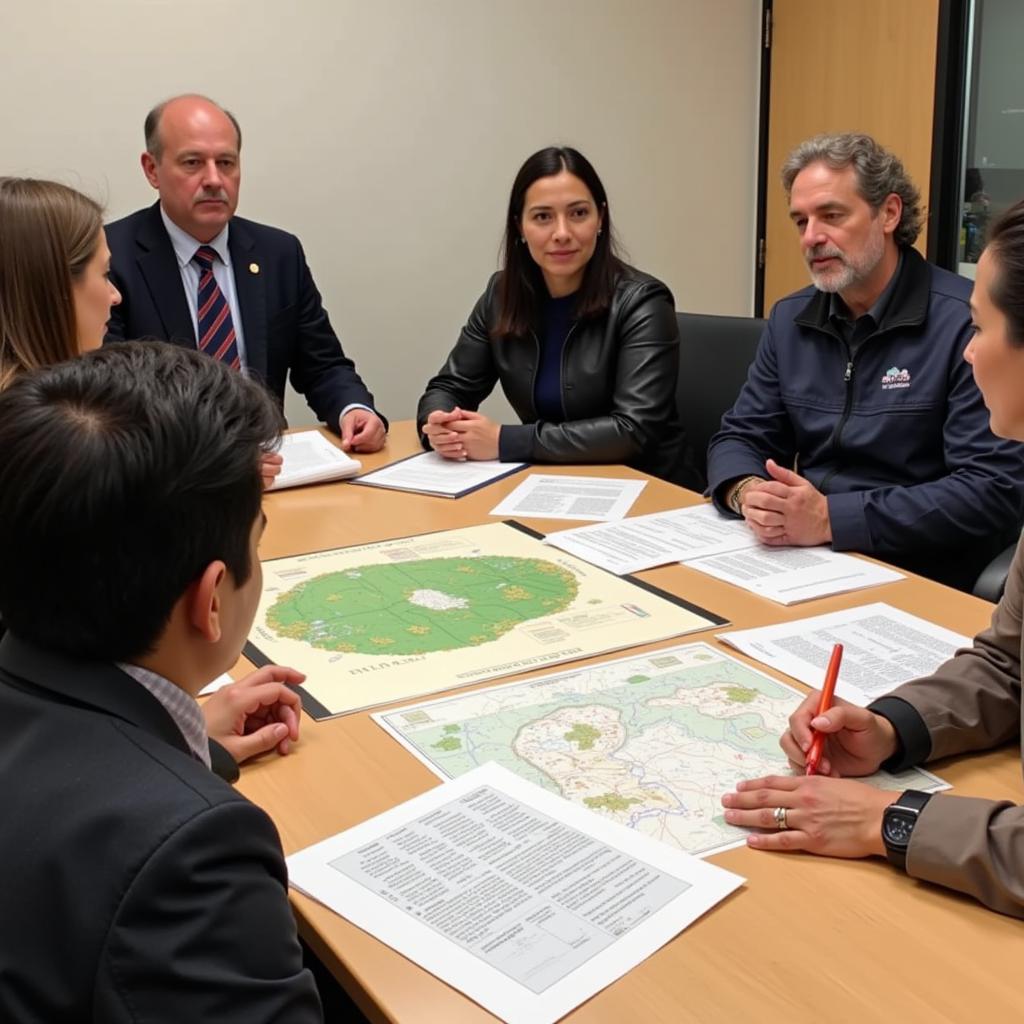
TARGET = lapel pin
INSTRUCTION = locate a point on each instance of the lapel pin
(254, 268)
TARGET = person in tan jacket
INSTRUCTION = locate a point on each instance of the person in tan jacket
(972, 702)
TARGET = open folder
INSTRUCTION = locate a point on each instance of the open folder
(309, 458)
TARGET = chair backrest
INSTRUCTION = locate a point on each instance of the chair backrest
(714, 355)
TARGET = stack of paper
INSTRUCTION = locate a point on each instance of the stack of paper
(309, 458)
(644, 542)
(595, 498)
(523, 901)
(430, 473)
(703, 539)
(882, 648)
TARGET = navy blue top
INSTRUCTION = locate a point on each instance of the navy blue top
(547, 388)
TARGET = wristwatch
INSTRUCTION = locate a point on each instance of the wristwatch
(898, 821)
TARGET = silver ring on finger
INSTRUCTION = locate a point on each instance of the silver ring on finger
(780, 818)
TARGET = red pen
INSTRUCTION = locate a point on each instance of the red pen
(827, 691)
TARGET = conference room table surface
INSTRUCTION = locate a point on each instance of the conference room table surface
(804, 939)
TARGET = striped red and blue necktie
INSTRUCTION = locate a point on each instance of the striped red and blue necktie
(216, 331)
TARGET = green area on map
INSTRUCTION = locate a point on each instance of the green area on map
(416, 607)
(584, 736)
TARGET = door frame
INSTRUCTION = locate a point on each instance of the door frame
(952, 68)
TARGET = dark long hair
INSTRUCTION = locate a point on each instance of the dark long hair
(522, 287)
(1006, 248)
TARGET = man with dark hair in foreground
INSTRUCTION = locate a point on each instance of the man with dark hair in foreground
(138, 884)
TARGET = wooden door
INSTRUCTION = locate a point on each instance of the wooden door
(845, 65)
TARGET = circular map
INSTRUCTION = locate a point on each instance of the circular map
(434, 604)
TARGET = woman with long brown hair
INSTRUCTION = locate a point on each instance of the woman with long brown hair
(55, 297)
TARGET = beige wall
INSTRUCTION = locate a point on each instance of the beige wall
(386, 135)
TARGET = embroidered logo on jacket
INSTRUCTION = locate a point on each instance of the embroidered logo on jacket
(895, 378)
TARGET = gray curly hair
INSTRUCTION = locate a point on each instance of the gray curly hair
(879, 174)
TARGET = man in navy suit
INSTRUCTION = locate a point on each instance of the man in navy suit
(271, 314)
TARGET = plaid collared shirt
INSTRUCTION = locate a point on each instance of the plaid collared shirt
(183, 709)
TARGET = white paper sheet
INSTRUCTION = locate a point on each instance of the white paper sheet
(523, 901)
(595, 498)
(221, 680)
(791, 575)
(882, 648)
(642, 542)
(309, 458)
(429, 473)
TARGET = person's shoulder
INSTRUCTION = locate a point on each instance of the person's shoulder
(789, 306)
(634, 284)
(264, 234)
(142, 785)
(492, 283)
(169, 775)
(129, 225)
(947, 285)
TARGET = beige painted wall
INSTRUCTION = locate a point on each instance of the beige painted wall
(386, 135)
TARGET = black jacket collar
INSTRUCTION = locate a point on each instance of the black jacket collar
(908, 306)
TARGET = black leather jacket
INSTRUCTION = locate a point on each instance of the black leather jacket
(619, 375)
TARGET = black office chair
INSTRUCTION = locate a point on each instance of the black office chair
(992, 581)
(714, 355)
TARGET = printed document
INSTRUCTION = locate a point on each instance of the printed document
(643, 542)
(309, 458)
(571, 497)
(430, 473)
(791, 575)
(882, 648)
(523, 901)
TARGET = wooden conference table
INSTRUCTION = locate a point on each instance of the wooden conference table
(806, 939)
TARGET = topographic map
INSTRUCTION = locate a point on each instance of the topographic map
(651, 741)
(388, 621)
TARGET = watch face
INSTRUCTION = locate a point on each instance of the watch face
(898, 826)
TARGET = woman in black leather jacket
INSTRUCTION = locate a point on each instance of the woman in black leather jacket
(585, 347)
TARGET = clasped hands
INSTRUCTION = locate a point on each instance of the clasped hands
(786, 509)
(257, 714)
(461, 434)
(825, 814)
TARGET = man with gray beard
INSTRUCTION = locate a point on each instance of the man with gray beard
(860, 424)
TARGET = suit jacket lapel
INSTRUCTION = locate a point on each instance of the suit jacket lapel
(94, 685)
(250, 289)
(159, 267)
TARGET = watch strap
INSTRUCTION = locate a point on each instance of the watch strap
(910, 802)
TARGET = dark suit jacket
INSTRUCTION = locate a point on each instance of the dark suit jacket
(136, 884)
(284, 324)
